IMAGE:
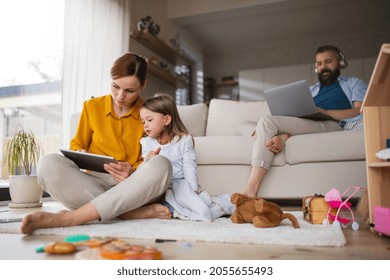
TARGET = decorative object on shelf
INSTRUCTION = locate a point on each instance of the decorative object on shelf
(158, 61)
(148, 24)
(177, 45)
(384, 154)
(21, 157)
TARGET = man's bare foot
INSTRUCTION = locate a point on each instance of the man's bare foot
(256, 177)
(276, 143)
(151, 211)
(249, 191)
(42, 219)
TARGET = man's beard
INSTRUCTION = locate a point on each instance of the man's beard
(330, 78)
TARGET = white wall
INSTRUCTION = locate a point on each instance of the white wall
(253, 82)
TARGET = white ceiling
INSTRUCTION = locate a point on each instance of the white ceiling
(286, 21)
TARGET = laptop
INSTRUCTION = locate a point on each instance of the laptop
(88, 161)
(293, 100)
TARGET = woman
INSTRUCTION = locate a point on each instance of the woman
(109, 125)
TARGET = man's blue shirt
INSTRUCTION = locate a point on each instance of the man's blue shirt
(353, 88)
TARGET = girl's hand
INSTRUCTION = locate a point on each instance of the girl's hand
(119, 171)
(153, 153)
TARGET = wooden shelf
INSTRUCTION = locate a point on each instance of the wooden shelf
(166, 53)
(227, 84)
(158, 46)
(379, 87)
(166, 76)
(376, 113)
(379, 164)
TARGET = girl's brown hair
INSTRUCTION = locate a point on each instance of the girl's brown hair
(130, 64)
(166, 105)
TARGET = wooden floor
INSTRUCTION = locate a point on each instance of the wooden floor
(361, 245)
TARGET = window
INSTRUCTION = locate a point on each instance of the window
(31, 70)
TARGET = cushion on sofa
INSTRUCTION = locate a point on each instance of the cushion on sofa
(223, 150)
(228, 150)
(194, 118)
(321, 147)
(227, 117)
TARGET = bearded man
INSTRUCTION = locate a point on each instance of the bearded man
(334, 95)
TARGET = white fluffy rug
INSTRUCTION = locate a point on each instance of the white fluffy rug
(221, 231)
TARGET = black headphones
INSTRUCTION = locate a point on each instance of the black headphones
(341, 57)
(343, 62)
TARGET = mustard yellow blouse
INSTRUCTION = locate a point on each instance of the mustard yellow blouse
(100, 131)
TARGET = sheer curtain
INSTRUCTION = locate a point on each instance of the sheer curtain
(96, 33)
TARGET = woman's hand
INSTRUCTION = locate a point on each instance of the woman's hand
(119, 171)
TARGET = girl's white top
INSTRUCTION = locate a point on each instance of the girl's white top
(184, 193)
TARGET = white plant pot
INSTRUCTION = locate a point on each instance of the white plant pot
(25, 191)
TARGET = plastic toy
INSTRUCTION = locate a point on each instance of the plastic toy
(106, 248)
(60, 248)
(382, 220)
(334, 198)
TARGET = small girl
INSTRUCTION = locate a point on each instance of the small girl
(167, 136)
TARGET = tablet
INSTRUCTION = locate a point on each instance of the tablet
(88, 161)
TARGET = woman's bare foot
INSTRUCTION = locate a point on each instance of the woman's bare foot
(151, 211)
(42, 219)
(276, 143)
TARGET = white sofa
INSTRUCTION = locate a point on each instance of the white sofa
(312, 163)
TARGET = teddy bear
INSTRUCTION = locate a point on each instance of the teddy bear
(259, 212)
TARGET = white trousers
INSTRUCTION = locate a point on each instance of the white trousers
(63, 180)
(269, 126)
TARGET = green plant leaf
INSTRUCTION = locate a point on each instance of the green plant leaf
(22, 150)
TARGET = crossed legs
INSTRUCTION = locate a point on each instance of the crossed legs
(271, 135)
(115, 202)
(85, 214)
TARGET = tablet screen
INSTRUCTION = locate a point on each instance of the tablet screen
(88, 161)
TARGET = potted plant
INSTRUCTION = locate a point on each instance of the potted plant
(21, 157)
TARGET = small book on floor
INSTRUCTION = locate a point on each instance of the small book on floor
(88, 161)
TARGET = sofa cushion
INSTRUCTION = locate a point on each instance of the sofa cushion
(194, 118)
(247, 128)
(227, 117)
(228, 150)
(321, 147)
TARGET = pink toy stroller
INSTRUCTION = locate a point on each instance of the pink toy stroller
(334, 198)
